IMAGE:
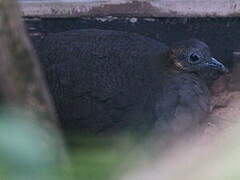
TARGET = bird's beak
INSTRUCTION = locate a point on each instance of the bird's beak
(215, 64)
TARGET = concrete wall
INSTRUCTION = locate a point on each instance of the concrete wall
(137, 8)
(152, 18)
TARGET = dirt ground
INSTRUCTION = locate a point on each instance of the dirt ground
(225, 103)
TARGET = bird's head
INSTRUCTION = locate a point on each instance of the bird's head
(194, 56)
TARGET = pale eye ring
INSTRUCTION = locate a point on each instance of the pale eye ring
(194, 58)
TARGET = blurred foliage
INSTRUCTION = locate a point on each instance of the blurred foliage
(99, 158)
(27, 151)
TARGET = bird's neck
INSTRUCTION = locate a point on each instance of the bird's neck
(162, 62)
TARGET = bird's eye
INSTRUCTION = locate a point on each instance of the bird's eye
(194, 58)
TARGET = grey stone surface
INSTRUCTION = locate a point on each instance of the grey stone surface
(139, 8)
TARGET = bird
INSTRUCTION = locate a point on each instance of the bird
(109, 81)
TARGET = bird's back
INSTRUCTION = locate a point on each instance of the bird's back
(100, 79)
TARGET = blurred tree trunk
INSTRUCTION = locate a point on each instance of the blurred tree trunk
(22, 83)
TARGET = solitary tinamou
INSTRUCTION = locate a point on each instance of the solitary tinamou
(109, 80)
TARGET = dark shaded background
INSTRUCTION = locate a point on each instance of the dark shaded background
(221, 34)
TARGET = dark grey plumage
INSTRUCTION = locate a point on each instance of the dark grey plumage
(108, 80)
